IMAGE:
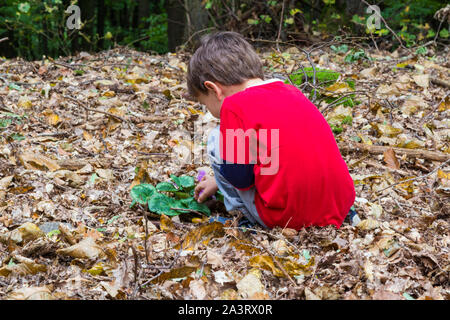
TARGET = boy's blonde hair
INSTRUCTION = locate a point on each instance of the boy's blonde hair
(224, 57)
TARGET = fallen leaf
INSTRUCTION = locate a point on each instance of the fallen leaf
(197, 289)
(422, 80)
(202, 234)
(37, 161)
(390, 159)
(250, 285)
(31, 293)
(368, 224)
(85, 249)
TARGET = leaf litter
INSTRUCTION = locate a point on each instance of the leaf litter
(75, 144)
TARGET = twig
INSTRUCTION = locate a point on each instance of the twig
(135, 257)
(281, 24)
(4, 39)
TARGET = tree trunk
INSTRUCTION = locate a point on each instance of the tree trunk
(176, 23)
(143, 12)
(100, 22)
(185, 18)
(87, 17)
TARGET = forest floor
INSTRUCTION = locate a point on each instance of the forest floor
(77, 133)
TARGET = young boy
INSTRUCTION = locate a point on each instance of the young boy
(274, 155)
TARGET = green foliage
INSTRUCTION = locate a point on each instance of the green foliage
(355, 55)
(322, 76)
(181, 191)
(38, 27)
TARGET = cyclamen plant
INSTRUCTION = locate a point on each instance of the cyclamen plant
(181, 191)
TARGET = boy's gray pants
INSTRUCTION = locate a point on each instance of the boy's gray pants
(234, 199)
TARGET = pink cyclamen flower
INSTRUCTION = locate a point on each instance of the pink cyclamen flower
(201, 174)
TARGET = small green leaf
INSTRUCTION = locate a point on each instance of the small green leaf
(142, 192)
(53, 232)
(166, 186)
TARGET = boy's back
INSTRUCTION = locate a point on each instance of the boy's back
(309, 183)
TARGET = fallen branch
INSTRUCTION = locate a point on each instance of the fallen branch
(440, 82)
(411, 153)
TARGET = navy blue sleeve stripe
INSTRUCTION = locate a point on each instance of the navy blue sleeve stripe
(241, 176)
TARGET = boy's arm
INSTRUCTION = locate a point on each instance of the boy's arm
(241, 176)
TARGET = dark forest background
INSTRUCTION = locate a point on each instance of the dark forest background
(37, 28)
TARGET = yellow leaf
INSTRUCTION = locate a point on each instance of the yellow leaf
(97, 269)
(368, 224)
(443, 175)
(338, 87)
(109, 93)
(193, 111)
(166, 223)
(293, 268)
(445, 105)
(202, 233)
(24, 102)
(386, 130)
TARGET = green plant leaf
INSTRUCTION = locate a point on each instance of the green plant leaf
(142, 193)
(183, 182)
(161, 204)
(191, 203)
(187, 181)
(166, 186)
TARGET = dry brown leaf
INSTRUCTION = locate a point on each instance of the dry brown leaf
(202, 234)
(24, 267)
(391, 159)
(31, 293)
(37, 161)
(85, 249)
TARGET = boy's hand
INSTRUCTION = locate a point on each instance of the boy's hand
(206, 188)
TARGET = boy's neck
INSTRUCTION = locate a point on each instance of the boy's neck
(230, 90)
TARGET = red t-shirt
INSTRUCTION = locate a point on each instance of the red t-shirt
(300, 176)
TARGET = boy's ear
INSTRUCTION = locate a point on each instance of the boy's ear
(214, 88)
